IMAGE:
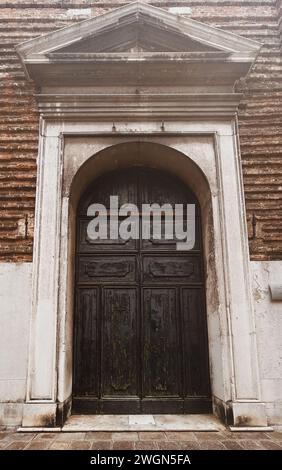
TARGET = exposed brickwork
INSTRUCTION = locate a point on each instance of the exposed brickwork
(259, 117)
(261, 142)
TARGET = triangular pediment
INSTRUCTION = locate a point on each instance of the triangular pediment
(137, 34)
(86, 51)
(137, 27)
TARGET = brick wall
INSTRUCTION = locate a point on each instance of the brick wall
(260, 115)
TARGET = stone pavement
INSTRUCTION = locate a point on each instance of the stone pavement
(223, 440)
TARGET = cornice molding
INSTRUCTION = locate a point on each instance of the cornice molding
(116, 107)
(201, 32)
(180, 50)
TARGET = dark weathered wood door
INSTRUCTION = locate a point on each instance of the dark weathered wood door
(140, 333)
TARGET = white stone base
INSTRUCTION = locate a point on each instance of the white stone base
(39, 415)
(11, 414)
(84, 423)
(249, 414)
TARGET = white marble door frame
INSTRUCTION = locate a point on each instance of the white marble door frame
(232, 338)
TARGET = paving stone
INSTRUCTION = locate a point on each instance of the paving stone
(70, 436)
(223, 435)
(145, 445)
(149, 440)
(37, 445)
(123, 445)
(188, 445)
(99, 436)
(180, 436)
(80, 445)
(250, 435)
(152, 435)
(23, 436)
(16, 445)
(270, 445)
(46, 435)
(274, 435)
(232, 444)
(125, 436)
(59, 445)
(3, 444)
(212, 444)
(168, 445)
(250, 444)
(201, 436)
(101, 445)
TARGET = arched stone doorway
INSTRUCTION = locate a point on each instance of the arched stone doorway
(206, 162)
(140, 329)
(185, 124)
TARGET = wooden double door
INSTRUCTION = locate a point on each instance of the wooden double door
(140, 332)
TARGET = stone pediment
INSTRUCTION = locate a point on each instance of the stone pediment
(138, 32)
(110, 48)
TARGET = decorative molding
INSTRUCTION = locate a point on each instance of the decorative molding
(137, 44)
(132, 13)
(137, 106)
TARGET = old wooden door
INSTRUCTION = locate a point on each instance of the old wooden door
(140, 334)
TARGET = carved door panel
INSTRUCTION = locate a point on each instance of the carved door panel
(140, 334)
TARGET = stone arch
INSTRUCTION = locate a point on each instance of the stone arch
(158, 156)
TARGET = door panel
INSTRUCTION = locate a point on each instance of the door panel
(170, 244)
(171, 269)
(195, 342)
(87, 245)
(101, 269)
(161, 374)
(140, 333)
(86, 342)
(119, 342)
